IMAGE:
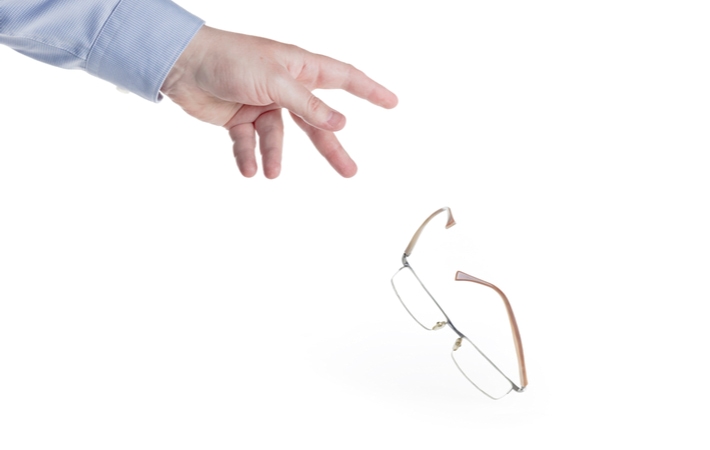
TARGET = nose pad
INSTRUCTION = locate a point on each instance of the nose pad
(439, 325)
(457, 344)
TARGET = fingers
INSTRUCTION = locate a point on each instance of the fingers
(270, 127)
(294, 96)
(329, 146)
(244, 143)
(334, 74)
(285, 80)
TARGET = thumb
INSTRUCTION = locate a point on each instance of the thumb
(292, 95)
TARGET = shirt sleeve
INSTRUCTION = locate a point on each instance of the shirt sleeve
(130, 43)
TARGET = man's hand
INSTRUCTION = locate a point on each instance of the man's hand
(242, 82)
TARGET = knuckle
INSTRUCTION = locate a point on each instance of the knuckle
(313, 104)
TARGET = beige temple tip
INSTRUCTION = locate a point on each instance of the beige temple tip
(450, 222)
(461, 276)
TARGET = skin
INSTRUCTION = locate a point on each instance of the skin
(243, 82)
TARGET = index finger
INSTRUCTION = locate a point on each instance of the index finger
(334, 74)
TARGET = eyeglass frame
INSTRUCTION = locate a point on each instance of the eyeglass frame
(462, 276)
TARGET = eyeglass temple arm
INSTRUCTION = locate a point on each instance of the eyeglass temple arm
(450, 222)
(461, 276)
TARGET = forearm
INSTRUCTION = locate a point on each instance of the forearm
(130, 43)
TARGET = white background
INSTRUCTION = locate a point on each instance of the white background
(151, 297)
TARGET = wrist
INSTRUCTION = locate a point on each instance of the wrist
(135, 51)
(186, 64)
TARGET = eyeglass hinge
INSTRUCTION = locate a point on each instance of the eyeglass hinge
(405, 263)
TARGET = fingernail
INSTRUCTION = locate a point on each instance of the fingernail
(336, 120)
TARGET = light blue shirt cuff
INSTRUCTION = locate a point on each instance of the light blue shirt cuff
(139, 44)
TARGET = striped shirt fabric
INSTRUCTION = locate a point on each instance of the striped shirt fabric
(130, 43)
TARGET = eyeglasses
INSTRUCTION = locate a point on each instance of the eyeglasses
(478, 368)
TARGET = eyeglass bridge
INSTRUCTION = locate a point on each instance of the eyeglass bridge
(439, 325)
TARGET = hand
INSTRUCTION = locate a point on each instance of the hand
(242, 82)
